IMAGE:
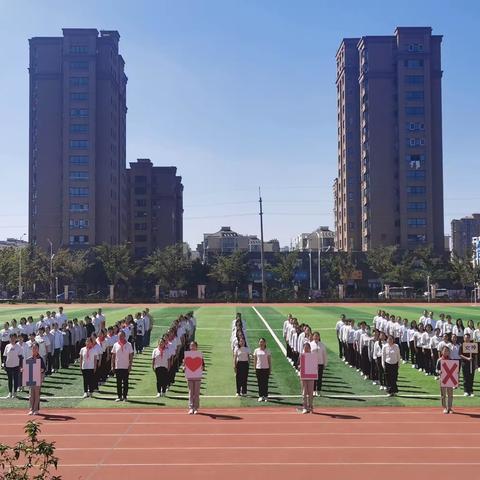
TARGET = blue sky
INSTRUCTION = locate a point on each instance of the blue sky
(239, 94)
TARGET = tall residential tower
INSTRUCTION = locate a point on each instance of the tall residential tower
(77, 140)
(395, 143)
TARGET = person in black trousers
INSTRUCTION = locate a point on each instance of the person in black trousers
(122, 358)
(88, 367)
(262, 359)
(241, 357)
(468, 367)
(390, 362)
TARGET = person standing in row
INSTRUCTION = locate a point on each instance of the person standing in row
(307, 383)
(194, 382)
(390, 362)
(161, 366)
(445, 392)
(122, 358)
(241, 357)
(13, 355)
(317, 347)
(36, 389)
(88, 365)
(468, 367)
(262, 360)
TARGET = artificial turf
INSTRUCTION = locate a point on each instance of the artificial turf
(342, 386)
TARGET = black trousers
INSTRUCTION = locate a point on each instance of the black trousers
(373, 370)
(391, 375)
(427, 360)
(241, 377)
(262, 379)
(434, 360)
(468, 376)
(381, 372)
(420, 358)
(2, 349)
(49, 364)
(88, 380)
(122, 375)
(340, 348)
(413, 355)
(139, 343)
(365, 364)
(404, 351)
(65, 356)
(162, 379)
(13, 377)
(317, 384)
(56, 359)
(351, 354)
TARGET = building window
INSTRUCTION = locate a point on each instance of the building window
(140, 238)
(79, 112)
(140, 226)
(78, 175)
(414, 63)
(416, 206)
(79, 207)
(417, 222)
(415, 142)
(79, 144)
(78, 239)
(78, 96)
(415, 47)
(140, 179)
(79, 160)
(140, 214)
(79, 49)
(413, 126)
(416, 174)
(78, 81)
(414, 95)
(78, 65)
(78, 223)
(416, 190)
(416, 239)
(140, 190)
(78, 191)
(414, 79)
(141, 203)
(414, 111)
(78, 128)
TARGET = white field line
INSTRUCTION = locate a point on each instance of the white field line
(272, 333)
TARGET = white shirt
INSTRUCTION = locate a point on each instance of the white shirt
(58, 339)
(242, 354)
(60, 319)
(160, 360)
(97, 322)
(5, 335)
(458, 331)
(262, 358)
(12, 355)
(320, 351)
(122, 355)
(140, 326)
(42, 345)
(88, 358)
(146, 322)
(390, 354)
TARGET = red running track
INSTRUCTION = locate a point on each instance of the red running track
(253, 443)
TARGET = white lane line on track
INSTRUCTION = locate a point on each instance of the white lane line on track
(272, 333)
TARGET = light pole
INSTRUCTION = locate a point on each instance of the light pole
(428, 288)
(320, 247)
(20, 287)
(310, 261)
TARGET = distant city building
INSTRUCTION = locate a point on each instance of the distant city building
(389, 141)
(226, 242)
(13, 242)
(476, 251)
(463, 230)
(155, 213)
(447, 243)
(77, 139)
(322, 238)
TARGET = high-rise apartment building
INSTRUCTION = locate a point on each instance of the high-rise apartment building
(155, 198)
(396, 145)
(77, 139)
(463, 230)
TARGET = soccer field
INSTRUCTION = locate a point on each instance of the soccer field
(342, 385)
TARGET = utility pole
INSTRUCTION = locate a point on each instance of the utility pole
(262, 253)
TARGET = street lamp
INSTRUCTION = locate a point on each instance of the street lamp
(51, 266)
(319, 286)
(20, 287)
(310, 258)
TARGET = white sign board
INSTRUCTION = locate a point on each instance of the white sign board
(193, 365)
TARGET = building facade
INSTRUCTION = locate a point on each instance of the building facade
(77, 140)
(322, 238)
(155, 207)
(463, 230)
(476, 251)
(400, 139)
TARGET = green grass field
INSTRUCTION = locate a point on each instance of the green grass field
(342, 385)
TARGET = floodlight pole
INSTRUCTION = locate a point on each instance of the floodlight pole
(262, 252)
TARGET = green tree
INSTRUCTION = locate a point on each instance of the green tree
(461, 271)
(31, 458)
(285, 268)
(230, 270)
(35, 269)
(70, 266)
(426, 264)
(381, 260)
(9, 269)
(345, 266)
(169, 267)
(116, 261)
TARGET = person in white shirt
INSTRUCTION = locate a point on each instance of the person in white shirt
(88, 366)
(308, 385)
(423, 317)
(262, 359)
(356, 345)
(60, 318)
(43, 344)
(434, 342)
(419, 347)
(459, 331)
(30, 327)
(161, 365)
(363, 344)
(122, 358)
(427, 349)
(148, 327)
(57, 347)
(377, 357)
(390, 362)
(317, 347)
(439, 325)
(403, 338)
(13, 357)
(455, 349)
(4, 338)
(338, 327)
(350, 343)
(140, 332)
(241, 357)
(448, 326)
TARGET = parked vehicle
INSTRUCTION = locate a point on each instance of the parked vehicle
(398, 292)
